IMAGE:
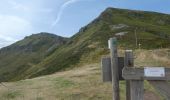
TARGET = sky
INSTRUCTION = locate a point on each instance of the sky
(20, 18)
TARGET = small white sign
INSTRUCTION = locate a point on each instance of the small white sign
(154, 71)
(109, 46)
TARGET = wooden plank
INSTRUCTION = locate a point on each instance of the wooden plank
(114, 68)
(106, 69)
(163, 87)
(128, 63)
(138, 74)
(137, 90)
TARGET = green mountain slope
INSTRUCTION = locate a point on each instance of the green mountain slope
(152, 31)
(22, 55)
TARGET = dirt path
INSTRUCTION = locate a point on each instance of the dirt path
(163, 87)
(151, 96)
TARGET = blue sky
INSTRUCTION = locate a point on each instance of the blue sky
(20, 18)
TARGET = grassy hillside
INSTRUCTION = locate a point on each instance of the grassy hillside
(22, 55)
(152, 31)
(82, 83)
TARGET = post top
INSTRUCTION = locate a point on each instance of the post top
(112, 41)
(128, 50)
(113, 38)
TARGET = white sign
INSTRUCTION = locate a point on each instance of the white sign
(154, 71)
(109, 46)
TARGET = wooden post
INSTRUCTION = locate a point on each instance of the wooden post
(106, 69)
(114, 68)
(128, 63)
(135, 88)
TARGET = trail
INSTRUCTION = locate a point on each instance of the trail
(151, 96)
(163, 87)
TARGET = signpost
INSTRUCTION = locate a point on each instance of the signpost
(116, 68)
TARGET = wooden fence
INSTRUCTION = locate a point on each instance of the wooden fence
(116, 68)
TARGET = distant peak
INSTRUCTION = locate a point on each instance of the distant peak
(44, 34)
(119, 10)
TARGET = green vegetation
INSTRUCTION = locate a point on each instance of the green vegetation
(91, 41)
(11, 94)
(20, 56)
(63, 83)
(81, 83)
(44, 54)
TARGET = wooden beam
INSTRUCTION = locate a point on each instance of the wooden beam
(138, 74)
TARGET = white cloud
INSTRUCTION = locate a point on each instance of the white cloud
(66, 4)
(5, 40)
(16, 5)
(33, 7)
(13, 28)
(45, 10)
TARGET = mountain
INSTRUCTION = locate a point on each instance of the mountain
(152, 31)
(149, 29)
(22, 55)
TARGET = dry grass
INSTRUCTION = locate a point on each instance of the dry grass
(158, 57)
(80, 83)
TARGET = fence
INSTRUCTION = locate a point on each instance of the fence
(116, 68)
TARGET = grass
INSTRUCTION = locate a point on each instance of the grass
(79, 83)
(11, 94)
(157, 57)
(63, 83)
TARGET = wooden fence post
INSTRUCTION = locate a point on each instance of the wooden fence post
(128, 63)
(114, 68)
(135, 88)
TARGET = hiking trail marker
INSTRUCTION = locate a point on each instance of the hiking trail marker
(115, 69)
